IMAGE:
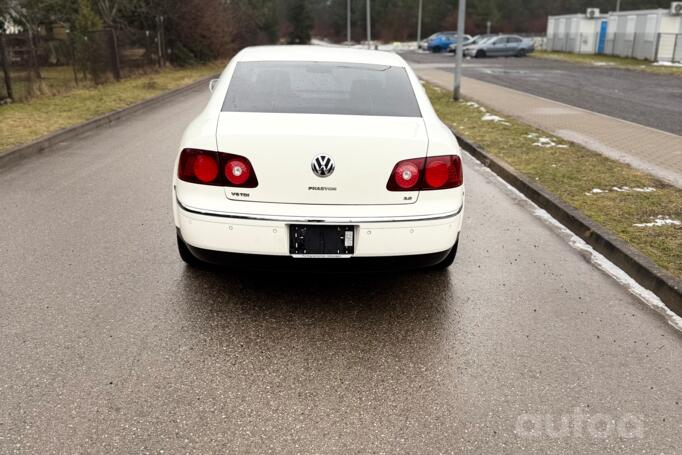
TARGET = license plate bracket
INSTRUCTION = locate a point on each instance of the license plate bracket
(321, 240)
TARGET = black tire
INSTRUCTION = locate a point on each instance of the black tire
(186, 255)
(521, 53)
(449, 259)
(436, 50)
(480, 54)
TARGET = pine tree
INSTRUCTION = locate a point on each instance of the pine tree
(86, 51)
(301, 21)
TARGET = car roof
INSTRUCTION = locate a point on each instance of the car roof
(311, 53)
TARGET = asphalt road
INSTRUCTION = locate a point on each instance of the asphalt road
(647, 99)
(111, 345)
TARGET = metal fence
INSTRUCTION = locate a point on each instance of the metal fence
(51, 64)
(669, 48)
(656, 47)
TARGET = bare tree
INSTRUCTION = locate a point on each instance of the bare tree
(28, 13)
(108, 10)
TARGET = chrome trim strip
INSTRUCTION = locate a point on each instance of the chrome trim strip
(336, 220)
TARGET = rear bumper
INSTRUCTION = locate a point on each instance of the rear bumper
(208, 235)
(289, 263)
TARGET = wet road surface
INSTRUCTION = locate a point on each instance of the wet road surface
(652, 100)
(110, 344)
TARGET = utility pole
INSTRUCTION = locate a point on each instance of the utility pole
(369, 25)
(159, 40)
(456, 92)
(419, 23)
(348, 22)
(617, 5)
(488, 26)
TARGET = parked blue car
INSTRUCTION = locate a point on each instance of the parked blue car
(443, 41)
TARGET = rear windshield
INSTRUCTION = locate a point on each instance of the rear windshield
(321, 88)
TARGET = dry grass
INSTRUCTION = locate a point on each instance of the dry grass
(27, 121)
(610, 61)
(572, 171)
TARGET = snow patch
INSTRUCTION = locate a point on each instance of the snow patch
(398, 46)
(492, 118)
(676, 65)
(545, 142)
(622, 189)
(660, 221)
(627, 189)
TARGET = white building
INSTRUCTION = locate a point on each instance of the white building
(645, 34)
(576, 33)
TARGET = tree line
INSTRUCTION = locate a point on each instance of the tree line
(195, 30)
(200, 30)
(396, 20)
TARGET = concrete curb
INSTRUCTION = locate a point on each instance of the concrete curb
(642, 269)
(21, 152)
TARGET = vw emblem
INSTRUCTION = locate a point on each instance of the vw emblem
(323, 166)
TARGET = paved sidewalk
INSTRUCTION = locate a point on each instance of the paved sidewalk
(653, 151)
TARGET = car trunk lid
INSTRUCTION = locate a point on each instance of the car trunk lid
(282, 148)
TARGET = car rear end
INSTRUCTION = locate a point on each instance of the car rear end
(299, 160)
(528, 45)
(441, 42)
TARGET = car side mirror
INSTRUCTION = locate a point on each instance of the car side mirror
(212, 84)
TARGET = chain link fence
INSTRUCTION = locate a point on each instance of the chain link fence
(34, 65)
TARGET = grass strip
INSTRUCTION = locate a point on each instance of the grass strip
(24, 122)
(610, 61)
(632, 204)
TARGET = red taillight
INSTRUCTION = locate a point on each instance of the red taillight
(443, 172)
(199, 166)
(434, 173)
(406, 175)
(203, 167)
(237, 171)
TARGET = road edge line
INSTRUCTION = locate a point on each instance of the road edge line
(637, 265)
(41, 145)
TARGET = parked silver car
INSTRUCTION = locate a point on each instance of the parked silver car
(500, 46)
(470, 42)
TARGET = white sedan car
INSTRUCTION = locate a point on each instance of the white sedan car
(318, 156)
